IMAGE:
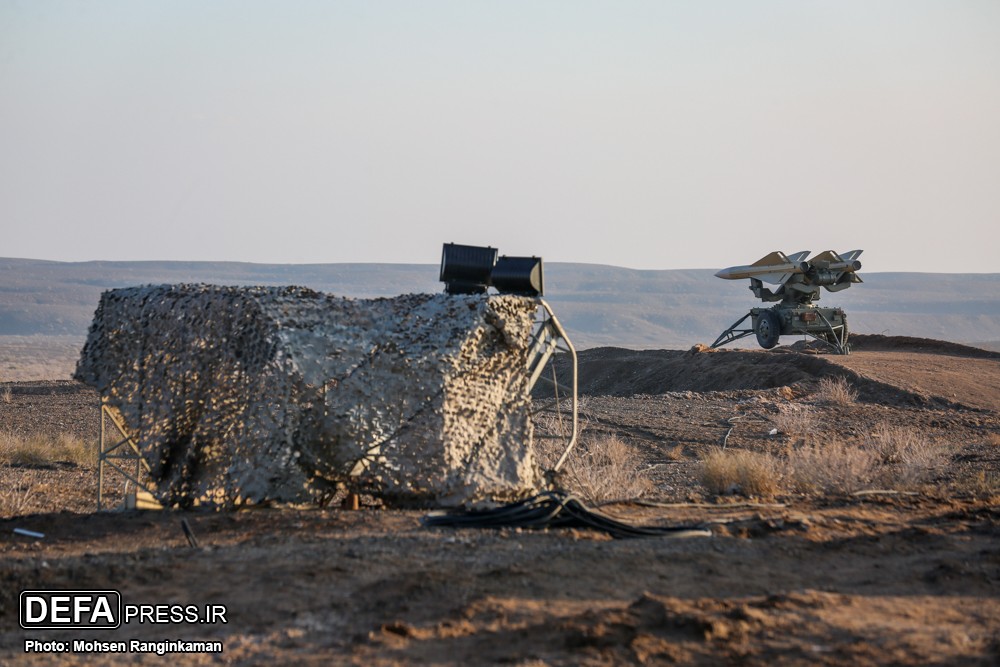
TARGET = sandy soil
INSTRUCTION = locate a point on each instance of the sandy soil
(869, 579)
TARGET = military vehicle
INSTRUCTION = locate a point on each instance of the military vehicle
(798, 283)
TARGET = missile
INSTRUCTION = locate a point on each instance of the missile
(831, 261)
(775, 268)
(835, 272)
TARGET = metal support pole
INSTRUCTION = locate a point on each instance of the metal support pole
(549, 338)
(100, 457)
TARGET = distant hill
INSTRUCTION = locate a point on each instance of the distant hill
(598, 305)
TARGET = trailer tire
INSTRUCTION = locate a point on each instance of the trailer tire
(768, 329)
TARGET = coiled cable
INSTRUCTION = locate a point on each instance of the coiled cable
(555, 509)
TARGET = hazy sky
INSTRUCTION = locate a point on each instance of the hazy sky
(652, 135)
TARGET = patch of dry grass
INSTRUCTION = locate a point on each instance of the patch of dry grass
(888, 457)
(43, 449)
(983, 483)
(907, 456)
(738, 471)
(6, 395)
(14, 498)
(837, 390)
(604, 468)
(828, 467)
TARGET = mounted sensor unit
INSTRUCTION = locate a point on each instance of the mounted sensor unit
(466, 269)
(518, 275)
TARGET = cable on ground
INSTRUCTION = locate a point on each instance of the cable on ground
(555, 509)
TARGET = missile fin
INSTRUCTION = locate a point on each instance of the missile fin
(852, 255)
(775, 278)
(776, 257)
(826, 256)
(799, 256)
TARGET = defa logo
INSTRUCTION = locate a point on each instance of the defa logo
(81, 610)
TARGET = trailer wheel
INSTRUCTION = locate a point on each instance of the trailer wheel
(768, 329)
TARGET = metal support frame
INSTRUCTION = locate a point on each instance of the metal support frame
(839, 342)
(547, 338)
(837, 335)
(120, 456)
(732, 333)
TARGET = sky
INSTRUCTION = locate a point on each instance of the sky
(649, 135)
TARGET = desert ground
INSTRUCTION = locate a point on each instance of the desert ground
(850, 505)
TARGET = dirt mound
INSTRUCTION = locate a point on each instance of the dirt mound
(611, 371)
(875, 342)
(962, 377)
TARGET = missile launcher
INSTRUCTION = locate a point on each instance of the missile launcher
(798, 284)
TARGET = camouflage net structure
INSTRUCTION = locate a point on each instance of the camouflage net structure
(237, 394)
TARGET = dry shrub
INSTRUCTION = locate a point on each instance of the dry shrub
(605, 469)
(740, 471)
(993, 439)
(837, 390)
(799, 422)
(6, 395)
(42, 449)
(908, 457)
(983, 483)
(14, 499)
(829, 467)
(889, 457)
(675, 453)
(786, 393)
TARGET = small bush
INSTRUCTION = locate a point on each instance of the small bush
(837, 390)
(6, 395)
(908, 457)
(740, 471)
(605, 469)
(829, 467)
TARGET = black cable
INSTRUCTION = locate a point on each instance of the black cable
(554, 509)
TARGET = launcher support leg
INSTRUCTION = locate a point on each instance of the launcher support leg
(732, 333)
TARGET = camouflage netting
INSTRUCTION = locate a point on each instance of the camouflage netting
(251, 394)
